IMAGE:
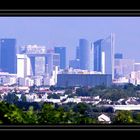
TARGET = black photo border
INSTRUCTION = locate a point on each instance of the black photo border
(69, 13)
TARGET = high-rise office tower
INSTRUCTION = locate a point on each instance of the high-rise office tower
(8, 59)
(108, 55)
(52, 60)
(84, 54)
(91, 57)
(104, 55)
(62, 52)
(32, 61)
(118, 59)
(97, 55)
(23, 66)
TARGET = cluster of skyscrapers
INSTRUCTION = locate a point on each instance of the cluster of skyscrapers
(39, 61)
(126, 70)
(34, 58)
(95, 56)
(29, 62)
(32, 63)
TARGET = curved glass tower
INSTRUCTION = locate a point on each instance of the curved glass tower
(84, 54)
(104, 55)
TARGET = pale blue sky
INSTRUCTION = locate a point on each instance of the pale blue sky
(66, 31)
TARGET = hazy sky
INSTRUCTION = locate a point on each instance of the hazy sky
(66, 31)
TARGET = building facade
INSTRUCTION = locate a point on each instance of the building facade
(52, 60)
(21, 65)
(98, 55)
(8, 59)
(36, 54)
(67, 80)
(62, 52)
(84, 54)
(104, 55)
(108, 46)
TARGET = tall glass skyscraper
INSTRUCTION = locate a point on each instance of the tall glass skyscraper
(52, 60)
(84, 54)
(32, 61)
(108, 54)
(8, 59)
(98, 55)
(62, 52)
(91, 57)
(104, 55)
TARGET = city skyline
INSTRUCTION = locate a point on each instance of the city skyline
(66, 31)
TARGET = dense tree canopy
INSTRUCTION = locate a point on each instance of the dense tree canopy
(123, 117)
(13, 111)
(49, 114)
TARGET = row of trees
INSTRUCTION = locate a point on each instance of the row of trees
(49, 114)
(113, 93)
(127, 117)
(55, 114)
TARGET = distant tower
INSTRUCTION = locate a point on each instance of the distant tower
(62, 52)
(32, 61)
(117, 61)
(104, 55)
(52, 60)
(84, 54)
(23, 66)
(108, 46)
(91, 57)
(8, 60)
(98, 55)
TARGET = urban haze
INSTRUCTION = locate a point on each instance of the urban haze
(69, 70)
